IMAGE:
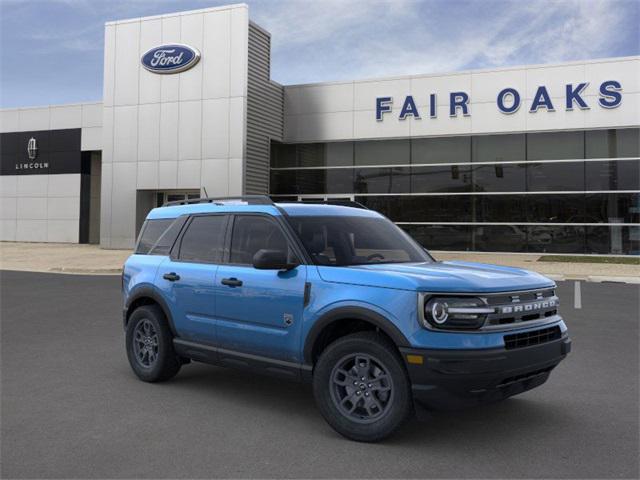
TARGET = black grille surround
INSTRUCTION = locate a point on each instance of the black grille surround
(530, 338)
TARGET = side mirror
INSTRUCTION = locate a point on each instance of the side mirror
(272, 260)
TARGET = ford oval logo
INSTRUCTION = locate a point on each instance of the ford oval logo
(173, 58)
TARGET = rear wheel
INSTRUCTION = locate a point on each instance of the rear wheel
(361, 387)
(150, 345)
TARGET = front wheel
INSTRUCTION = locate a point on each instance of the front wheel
(362, 388)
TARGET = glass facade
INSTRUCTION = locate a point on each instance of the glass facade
(564, 192)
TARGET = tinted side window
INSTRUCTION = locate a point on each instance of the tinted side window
(166, 240)
(151, 232)
(204, 239)
(252, 233)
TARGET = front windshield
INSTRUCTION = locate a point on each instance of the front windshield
(344, 241)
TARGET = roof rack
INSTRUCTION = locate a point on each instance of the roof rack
(342, 203)
(250, 199)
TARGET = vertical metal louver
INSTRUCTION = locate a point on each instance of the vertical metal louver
(265, 112)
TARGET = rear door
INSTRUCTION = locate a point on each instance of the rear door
(187, 278)
(259, 311)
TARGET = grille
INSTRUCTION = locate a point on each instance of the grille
(527, 339)
(521, 307)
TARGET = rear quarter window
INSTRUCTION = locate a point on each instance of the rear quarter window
(158, 235)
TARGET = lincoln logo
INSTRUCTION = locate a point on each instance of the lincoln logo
(32, 149)
(173, 58)
(32, 154)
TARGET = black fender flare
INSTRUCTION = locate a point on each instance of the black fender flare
(352, 313)
(150, 292)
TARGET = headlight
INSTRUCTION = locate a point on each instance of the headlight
(455, 313)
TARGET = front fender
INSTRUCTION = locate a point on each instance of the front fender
(348, 310)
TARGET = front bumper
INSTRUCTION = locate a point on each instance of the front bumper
(450, 379)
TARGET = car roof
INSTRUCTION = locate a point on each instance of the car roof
(276, 209)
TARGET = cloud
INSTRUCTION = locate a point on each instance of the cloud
(342, 40)
(321, 40)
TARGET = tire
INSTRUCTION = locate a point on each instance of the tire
(384, 402)
(159, 362)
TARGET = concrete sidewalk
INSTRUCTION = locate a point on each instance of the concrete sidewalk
(61, 257)
(91, 259)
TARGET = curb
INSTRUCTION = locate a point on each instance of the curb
(592, 278)
(86, 271)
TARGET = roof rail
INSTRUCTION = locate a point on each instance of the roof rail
(249, 199)
(342, 203)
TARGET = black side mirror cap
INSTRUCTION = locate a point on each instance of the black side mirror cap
(265, 259)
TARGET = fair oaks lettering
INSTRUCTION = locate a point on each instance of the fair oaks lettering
(508, 101)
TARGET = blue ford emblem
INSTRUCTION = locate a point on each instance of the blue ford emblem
(172, 58)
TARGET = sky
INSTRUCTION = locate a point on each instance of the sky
(51, 51)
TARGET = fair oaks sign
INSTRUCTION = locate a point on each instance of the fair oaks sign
(508, 100)
(173, 58)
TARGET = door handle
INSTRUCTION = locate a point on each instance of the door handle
(231, 282)
(172, 277)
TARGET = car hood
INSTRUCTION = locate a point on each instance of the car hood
(451, 276)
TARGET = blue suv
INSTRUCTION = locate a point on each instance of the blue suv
(338, 296)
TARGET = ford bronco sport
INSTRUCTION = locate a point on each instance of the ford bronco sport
(338, 296)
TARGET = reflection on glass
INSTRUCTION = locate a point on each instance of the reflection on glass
(440, 150)
(567, 208)
(499, 208)
(555, 145)
(500, 238)
(612, 143)
(613, 240)
(446, 178)
(499, 148)
(382, 152)
(556, 239)
(613, 207)
(500, 178)
(441, 237)
(382, 180)
(565, 176)
(283, 155)
(613, 175)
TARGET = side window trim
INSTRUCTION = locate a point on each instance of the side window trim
(177, 246)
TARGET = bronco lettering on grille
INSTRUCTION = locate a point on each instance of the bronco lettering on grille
(528, 307)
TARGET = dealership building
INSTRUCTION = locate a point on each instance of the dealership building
(541, 158)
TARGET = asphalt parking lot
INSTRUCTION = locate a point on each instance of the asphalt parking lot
(72, 408)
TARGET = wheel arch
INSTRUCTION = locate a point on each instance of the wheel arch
(330, 320)
(146, 295)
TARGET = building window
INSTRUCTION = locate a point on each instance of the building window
(613, 143)
(499, 178)
(613, 175)
(382, 180)
(560, 176)
(499, 148)
(440, 150)
(382, 152)
(555, 145)
(440, 179)
(457, 192)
